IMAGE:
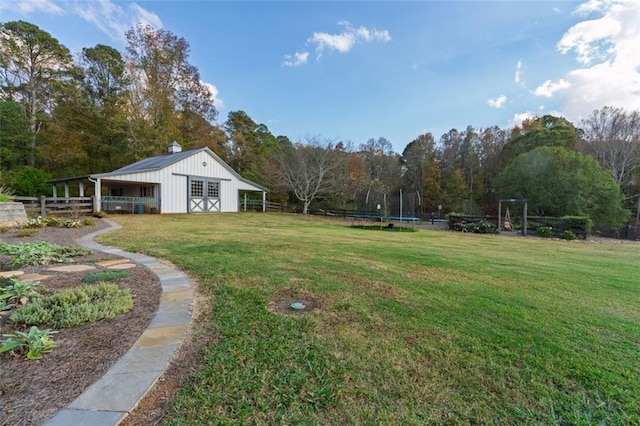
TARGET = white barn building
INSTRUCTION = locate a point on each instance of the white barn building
(178, 181)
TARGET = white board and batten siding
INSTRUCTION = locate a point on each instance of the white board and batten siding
(173, 181)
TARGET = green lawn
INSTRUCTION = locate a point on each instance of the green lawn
(412, 328)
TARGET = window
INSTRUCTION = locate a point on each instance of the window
(115, 192)
(197, 189)
(146, 191)
(213, 189)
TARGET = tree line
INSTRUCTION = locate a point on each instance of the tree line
(63, 115)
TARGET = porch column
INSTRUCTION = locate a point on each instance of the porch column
(66, 191)
(55, 191)
(264, 201)
(81, 189)
(97, 202)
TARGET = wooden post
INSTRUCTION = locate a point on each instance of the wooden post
(499, 214)
(43, 207)
(524, 219)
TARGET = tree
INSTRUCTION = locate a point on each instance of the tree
(420, 170)
(547, 130)
(559, 182)
(87, 132)
(612, 136)
(249, 144)
(14, 135)
(307, 169)
(166, 89)
(382, 172)
(33, 65)
(27, 181)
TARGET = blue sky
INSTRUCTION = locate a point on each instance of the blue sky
(357, 70)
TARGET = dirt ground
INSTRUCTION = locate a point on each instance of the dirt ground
(31, 392)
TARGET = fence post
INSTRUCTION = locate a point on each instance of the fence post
(43, 206)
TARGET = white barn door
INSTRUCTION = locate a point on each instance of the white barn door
(204, 195)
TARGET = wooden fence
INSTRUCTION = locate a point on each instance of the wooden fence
(55, 206)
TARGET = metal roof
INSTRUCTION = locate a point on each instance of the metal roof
(161, 161)
(155, 163)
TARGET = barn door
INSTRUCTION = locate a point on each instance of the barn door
(204, 195)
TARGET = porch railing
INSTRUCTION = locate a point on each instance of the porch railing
(137, 205)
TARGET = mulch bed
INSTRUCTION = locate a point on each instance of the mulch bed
(33, 391)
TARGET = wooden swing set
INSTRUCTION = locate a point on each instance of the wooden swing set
(507, 225)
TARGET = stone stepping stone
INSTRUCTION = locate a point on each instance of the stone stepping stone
(108, 263)
(72, 268)
(123, 266)
(34, 277)
(9, 274)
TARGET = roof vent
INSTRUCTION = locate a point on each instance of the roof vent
(175, 147)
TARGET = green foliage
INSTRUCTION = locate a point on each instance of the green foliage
(34, 223)
(100, 214)
(14, 134)
(568, 235)
(5, 198)
(18, 293)
(105, 275)
(461, 223)
(54, 221)
(547, 131)
(544, 231)
(36, 343)
(76, 306)
(559, 182)
(28, 181)
(5, 282)
(577, 225)
(41, 253)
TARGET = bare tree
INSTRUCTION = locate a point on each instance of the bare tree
(612, 136)
(307, 169)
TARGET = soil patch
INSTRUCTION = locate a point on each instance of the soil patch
(34, 391)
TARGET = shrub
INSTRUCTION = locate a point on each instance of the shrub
(4, 198)
(544, 231)
(71, 223)
(28, 232)
(28, 181)
(68, 308)
(41, 253)
(568, 235)
(35, 222)
(107, 275)
(5, 282)
(18, 293)
(88, 222)
(100, 214)
(35, 343)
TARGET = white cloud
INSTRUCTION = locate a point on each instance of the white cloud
(297, 59)
(518, 76)
(215, 94)
(518, 118)
(607, 47)
(114, 19)
(549, 88)
(342, 42)
(30, 6)
(497, 102)
(345, 41)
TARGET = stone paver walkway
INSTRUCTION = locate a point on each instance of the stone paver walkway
(112, 397)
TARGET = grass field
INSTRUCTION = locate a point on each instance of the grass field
(411, 328)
